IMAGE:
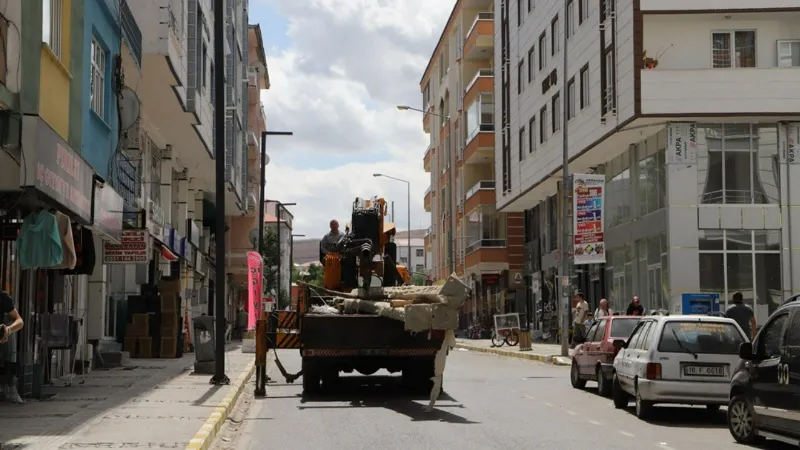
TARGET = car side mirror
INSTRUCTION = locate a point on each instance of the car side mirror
(746, 351)
(619, 343)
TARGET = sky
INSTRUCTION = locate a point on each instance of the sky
(338, 69)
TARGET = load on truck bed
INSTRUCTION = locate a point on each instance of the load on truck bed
(367, 318)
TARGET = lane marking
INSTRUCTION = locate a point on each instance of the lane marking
(571, 413)
(625, 433)
(594, 422)
(529, 397)
(548, 404)
(664, 446)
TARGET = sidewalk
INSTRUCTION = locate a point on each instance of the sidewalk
(548, 353)
(151, 403)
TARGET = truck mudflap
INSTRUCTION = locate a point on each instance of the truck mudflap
(345, 352)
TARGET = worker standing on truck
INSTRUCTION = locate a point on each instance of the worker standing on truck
(329, 241)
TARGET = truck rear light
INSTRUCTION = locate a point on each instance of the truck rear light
(653, 371)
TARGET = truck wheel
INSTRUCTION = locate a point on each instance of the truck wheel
(311, 377)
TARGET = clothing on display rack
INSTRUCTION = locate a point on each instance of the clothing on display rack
(68, 258)
(39, 241)
(84, 252)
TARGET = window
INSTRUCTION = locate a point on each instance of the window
(403, 260)
(520, 71)
(770, 340)
(592, 332)
(583, 11)
(584, 86)
(530, 5)
(743, 261)
(543, 131)
(570, 20)
(531, 68)
(636, 336)
(555, 35)
(97, 79)
(522, 143)
(793, 336)
(420, 253)
(741, 164)
(733, 49)
(419, 269)
(571, 98)
(532, 134)
(648, 332)
(542, 51)
(621, 328)
(609, 94)
(52, 16)
(204, 74)
(519, 12)
(651, 176)
(789, 53)
(700, 337)
(556, 112)
(601, 331)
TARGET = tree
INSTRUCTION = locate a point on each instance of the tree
(313, 275)
(418, 279)
(271, 253)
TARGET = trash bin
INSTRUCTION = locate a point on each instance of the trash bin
(204, 343)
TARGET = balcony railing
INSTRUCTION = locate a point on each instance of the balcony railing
(482, 128)
(125, 180)
(481, 73)
(427, 191)
(480, 185)
(478, 18)
(131, 32)
(485, 243)
(429, 231)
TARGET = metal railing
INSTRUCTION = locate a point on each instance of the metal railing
(482, 128)
(480, 186)
(478, 18)
(481, 73)
(485, 243)
(737, 197)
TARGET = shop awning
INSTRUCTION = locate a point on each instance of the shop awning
(168, 254)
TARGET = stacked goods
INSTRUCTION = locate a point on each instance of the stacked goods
(138, 342)
(169, 315)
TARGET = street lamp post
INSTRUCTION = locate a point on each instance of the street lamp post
(278, 208)
(261, 194)
(408, 218)
(567, 224)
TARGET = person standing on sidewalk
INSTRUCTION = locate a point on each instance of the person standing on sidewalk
(7, 308)
(11, 323)
(603, 310)
(579, 314)
(743, 315)
(635, 308)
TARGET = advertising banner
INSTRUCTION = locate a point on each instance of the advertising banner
(132, 249)
(682, 143)
(588, 218)
(793, 143)
(255, 278)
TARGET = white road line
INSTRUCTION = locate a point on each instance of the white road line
(548, 404)
(571, 413)
(625, 433)
(663, 445)
(594, 422)
(529, 397)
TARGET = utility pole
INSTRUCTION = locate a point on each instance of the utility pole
(219, 377)
(566, 187)
(264, 134)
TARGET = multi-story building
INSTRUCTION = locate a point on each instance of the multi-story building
(468, 235)
(689, 111)
(418, 263)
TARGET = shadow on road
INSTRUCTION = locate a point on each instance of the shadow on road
(384, 392)
(682, 417)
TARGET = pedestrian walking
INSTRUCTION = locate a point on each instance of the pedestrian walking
(580, 312)
(743, 315)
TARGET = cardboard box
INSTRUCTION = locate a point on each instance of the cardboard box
(129, 345)
(169, 320)
(145, 347)
(169, 332)
(169, 303)
(139, 326)
(169, 347)
(169, 287)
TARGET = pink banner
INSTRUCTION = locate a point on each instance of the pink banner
(255, 279)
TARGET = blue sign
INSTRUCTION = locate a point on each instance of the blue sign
(697, 303)
(169, 237)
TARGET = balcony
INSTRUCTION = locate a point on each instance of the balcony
(480, 194)
(721, 91)
(427, 200)
(445, 127)
(486, 251)
(131, 32)
(428, 238)
(480, 147)
(426, 119)
(730, 6)
(482, 82)
(479, 42)
(444, 177)
(426, 161)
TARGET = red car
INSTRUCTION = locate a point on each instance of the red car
(593, 358)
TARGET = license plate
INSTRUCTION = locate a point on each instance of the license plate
(704, 371)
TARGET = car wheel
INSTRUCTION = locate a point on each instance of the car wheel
(575, 376)
(712, 408)
(618, 394)
(603, 384)
(741, 422)
(644, 408)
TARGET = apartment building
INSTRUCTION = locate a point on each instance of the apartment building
(689, 111)
(468, 235)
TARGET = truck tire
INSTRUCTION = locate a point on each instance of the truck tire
(418, 375)
(311, 377)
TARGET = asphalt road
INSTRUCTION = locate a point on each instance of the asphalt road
(490, 402)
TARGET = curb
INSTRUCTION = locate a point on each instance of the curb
(203, 438)
(548, 359)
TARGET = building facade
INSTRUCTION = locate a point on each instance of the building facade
(418, 262)
(468, 236)
(688, 112)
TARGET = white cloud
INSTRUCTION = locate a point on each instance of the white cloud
(350, 64)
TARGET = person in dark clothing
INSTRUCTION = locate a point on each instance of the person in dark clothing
(635, 308)
(8, 309)
(743, 315)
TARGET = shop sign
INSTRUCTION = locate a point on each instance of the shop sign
(169, 237)
(588, 241)
(515, 280)
(200, 263)
(54, 169)
(107, 212)
(181, 241)
(132, 249)
(793, 143)
(490, 279)
(155, 220)
(682, 143)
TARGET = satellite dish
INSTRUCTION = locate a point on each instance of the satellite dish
(129, 107)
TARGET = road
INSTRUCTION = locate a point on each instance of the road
(491, 402)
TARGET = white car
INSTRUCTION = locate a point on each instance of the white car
(677, 359)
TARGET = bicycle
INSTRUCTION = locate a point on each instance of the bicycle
(508, 337)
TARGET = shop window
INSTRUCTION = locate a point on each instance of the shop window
(651, 174)
(618, 191)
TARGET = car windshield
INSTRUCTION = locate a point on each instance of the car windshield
(621, 328)
(700, 337)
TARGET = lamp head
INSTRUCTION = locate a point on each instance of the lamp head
(402, 107)
(377, 175)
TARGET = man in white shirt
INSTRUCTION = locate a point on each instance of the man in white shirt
(603, 310)
(579, 314)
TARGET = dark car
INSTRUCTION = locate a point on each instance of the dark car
(593, 358)
(765, 389)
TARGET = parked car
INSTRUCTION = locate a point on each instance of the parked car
(765, 389)
(593, 358)
(677, 359)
